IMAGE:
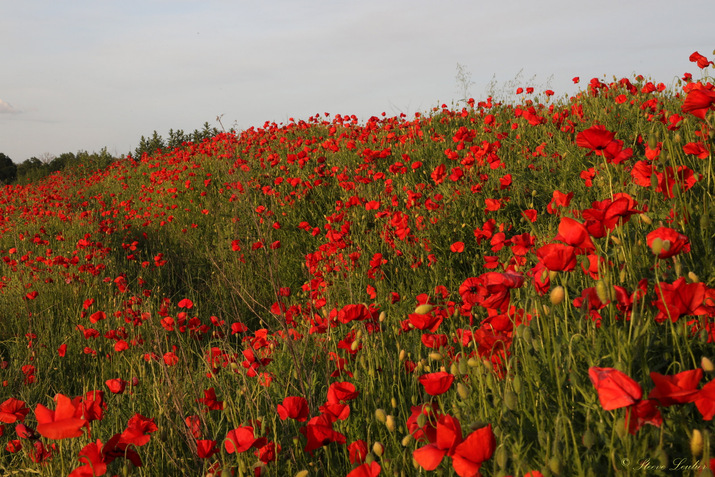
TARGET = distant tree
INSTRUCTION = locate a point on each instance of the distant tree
(8, 169)
(176, 139)
(150, 145)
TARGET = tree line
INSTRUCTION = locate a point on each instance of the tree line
(36, 168)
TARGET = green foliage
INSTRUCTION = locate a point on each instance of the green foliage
(8, 169)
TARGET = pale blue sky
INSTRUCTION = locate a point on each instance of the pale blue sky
(88, 74)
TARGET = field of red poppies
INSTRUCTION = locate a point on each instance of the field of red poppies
(496, 288)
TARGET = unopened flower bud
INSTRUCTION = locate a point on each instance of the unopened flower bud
(407, 440)
(601, 291)
(557, 295)
(380, 415)
(462, 390)
(511, 400)
(423, 309)
(656, 246)
(696, 443)
(707, 365)
(390, 423)
(378, 449)
(588, 439)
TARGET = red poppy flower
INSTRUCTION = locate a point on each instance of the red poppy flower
(447, 437)
(116, 385)
(319, 432)
(558, 199)
(575, 234)
(699, 101)
(614, 388)
(350, 313)
(294, 407)
(206, 448)
(476, 448)
(357, 451)
(210, 400)
(705, 401)
(672, 242)
(93, 405)
(366, 470)
(97, 316)
(700, 60)
(115, 449)
(679, 299)
(341, 391)
(425, 321)
(335, 411)
(239, 440)
(436, 383)
(186, 303)
(697, 149)
(61, 423)
(557, 257)
(138, 430)
(596, 138)
(13, 410)
(606, 214)
(457, 247)
(643, 412)
(95, 463)
(678, 389)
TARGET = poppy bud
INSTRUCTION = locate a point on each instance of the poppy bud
(403, 354)
(511, 400)
(454, 369)
(380, 415)
(434, 356)
(462, 390)
(555, 465)
(225, 473)
(378, 449)
(693, 277)
(501, 457)
(601, 291)
(423, 309)
(615, 240)
(302, 473)
(473, 363)
(706, 365)
(696, 443)
(657, 246)
(463, 367)
(407, 440)
(621, 430)
(390, 423)
(393, 401)
(588, 439)
(421, 420)
(355, 345)
(382, 316)
(557, 295)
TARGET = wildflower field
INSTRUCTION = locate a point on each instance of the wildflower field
(522, 288)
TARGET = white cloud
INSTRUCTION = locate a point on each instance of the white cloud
(7, 108)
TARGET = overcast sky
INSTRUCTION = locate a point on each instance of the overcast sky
(82, 75)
